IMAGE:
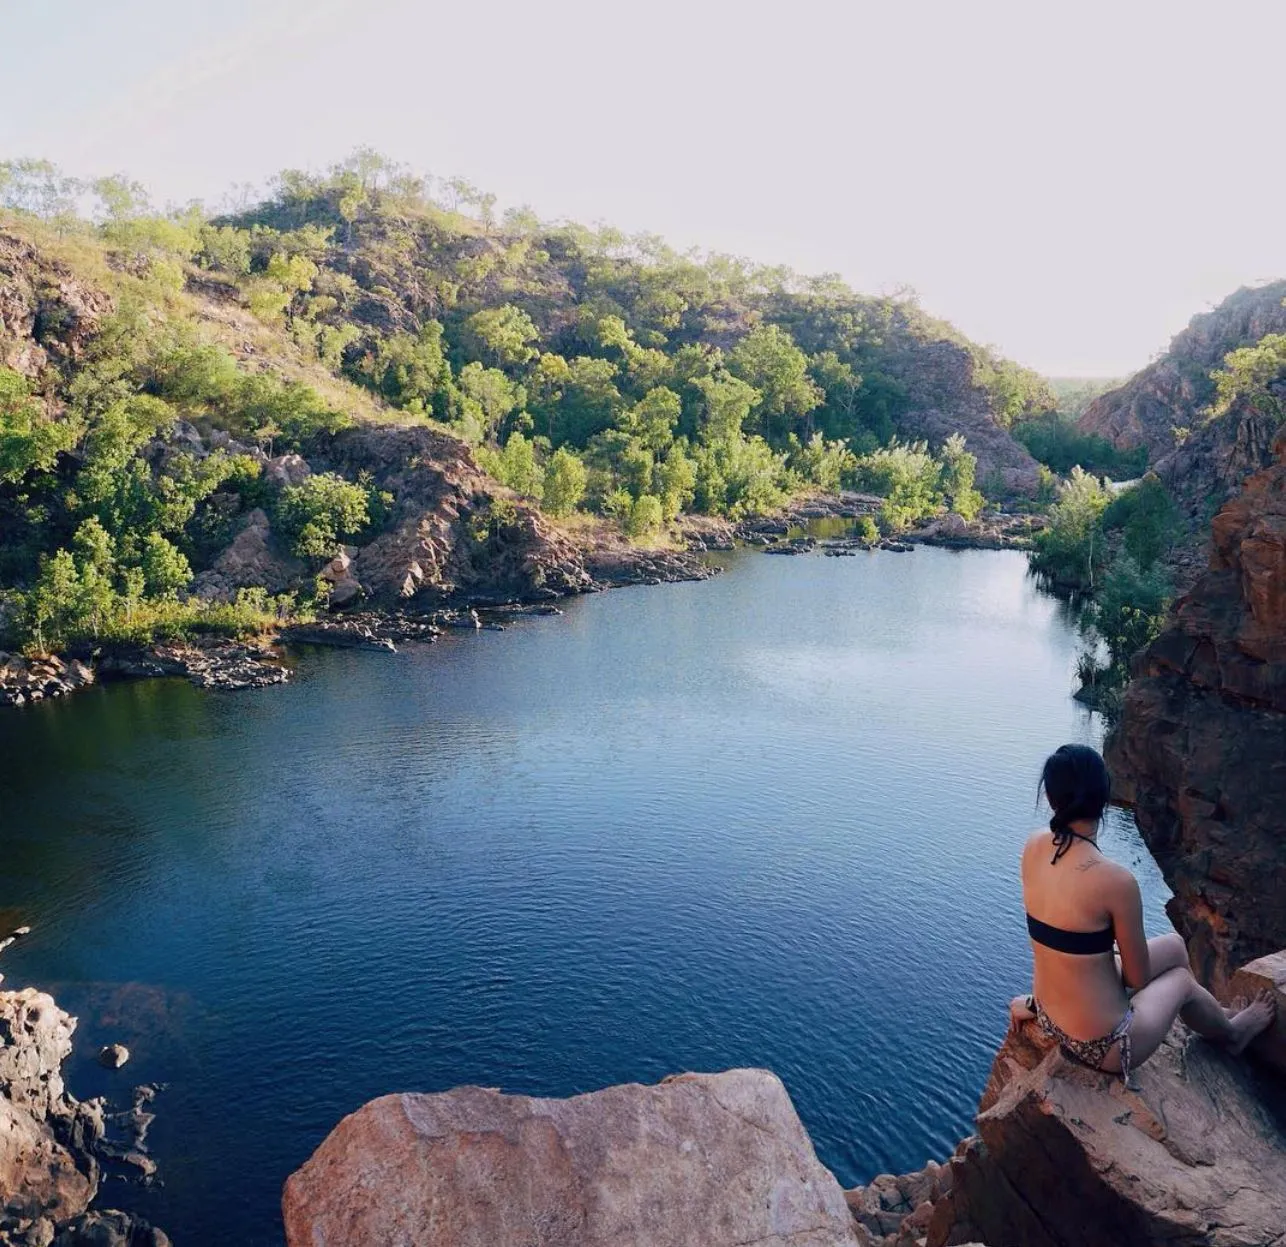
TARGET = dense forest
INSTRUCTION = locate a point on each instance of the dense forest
(589, 371)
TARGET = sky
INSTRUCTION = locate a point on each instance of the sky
(1069, 182)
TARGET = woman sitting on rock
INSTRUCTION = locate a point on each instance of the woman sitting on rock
(1107, 1012)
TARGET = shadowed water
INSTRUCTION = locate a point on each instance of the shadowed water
(772, 820)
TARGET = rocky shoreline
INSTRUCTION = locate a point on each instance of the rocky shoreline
(227, 665)
(55, 1150)
(602, 561)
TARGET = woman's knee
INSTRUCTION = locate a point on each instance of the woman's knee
(1168, 952)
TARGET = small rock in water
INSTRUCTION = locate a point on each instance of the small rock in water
(113, 1056)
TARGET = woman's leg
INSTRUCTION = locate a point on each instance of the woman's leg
(1175, 993)
(1165, 952)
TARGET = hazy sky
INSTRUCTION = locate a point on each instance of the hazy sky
(1068, 181)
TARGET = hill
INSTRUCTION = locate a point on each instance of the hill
(1163, 403)
(357, 371)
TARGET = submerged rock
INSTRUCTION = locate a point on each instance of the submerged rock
(113, 1056)
(716, 1159)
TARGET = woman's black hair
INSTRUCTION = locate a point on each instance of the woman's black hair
(1076, 784)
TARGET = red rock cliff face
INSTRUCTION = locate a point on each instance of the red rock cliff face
(1169, 393)
(1201, 747)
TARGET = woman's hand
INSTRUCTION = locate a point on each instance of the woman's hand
(1019, 1012)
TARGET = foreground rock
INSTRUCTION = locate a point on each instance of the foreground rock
(714, 1159)
(1201, 747)
(1266, 974)
(1066, 1157)
(50, 1142)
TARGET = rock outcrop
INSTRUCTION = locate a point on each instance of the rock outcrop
(896, 1210)
(1068, 1157)
(24, 681)
(715, 1159)
(47, 314)
(50, 1142)
(454, 533)
(1200, 751)
(46, 1175)
(255, 557)
(1169, 393)
(943, 399)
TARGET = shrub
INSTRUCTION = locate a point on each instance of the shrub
(321, 510)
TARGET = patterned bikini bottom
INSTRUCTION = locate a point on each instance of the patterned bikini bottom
(1091, 1052)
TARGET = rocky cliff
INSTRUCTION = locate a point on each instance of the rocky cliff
(1169, 393)
(943, 397)
(1190, 1153)
(51, 1143)
(1200, 751)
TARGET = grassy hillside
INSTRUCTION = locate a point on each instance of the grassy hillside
(155, 366)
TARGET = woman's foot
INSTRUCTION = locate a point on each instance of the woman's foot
(1252, 1020)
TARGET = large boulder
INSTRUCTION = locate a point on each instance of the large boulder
(1189, 1156)
(1200, 751)
(710, 1159)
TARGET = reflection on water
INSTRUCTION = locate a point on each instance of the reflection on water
(772, 819)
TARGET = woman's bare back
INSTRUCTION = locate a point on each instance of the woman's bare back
(1082, 993)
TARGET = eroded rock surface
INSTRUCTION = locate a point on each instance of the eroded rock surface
(714, 1159)
(1067, 1157)
(1201, 747)
(47, 1174)
(1170, 393)
(47, 315)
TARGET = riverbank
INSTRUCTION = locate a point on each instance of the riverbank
(609, 560)
(596, 558)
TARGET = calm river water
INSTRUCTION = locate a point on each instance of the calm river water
(768, 820)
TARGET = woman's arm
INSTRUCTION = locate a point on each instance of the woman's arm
(1125, 904)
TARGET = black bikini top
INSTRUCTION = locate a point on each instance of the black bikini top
(1064, 941)
(1082, 943)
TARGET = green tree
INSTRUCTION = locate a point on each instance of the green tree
(907, 476)
(768, 359)
(727, 402)
(958, 468)
(1148, 519)
(515, 466)
(29, 440)
(1070, 553)
(1255, 374)
(653, 418)
(501, 335)
(166, 571)
(646, 516)
(565, 479)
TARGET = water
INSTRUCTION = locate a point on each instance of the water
(772, 820)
